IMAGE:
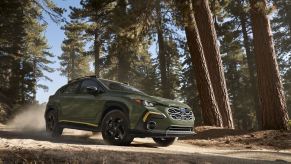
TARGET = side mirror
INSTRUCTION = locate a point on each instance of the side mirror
(93, 90)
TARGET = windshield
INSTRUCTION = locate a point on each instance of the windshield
(119, 86)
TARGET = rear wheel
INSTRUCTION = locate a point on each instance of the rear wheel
(164, 141)
(115, 126)
(52, 125)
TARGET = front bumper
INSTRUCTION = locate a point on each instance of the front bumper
(157, 122)
(163, 126)
(161, 133)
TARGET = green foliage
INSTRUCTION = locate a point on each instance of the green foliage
(236, 74)
(120, 30)
(281, 24)
(24, 47)
(174, 68)
(74, 63)
(236, 62)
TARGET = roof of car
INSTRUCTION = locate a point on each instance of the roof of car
(80, 78)
(92, 76)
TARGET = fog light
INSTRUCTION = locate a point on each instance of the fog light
(151, 125)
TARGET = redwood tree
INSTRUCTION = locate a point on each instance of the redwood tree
(208, 37)
(210, 112)
(272, 100)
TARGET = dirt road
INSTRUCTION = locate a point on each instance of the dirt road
(82, 147)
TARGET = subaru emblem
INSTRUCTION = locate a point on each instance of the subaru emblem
(183, 110)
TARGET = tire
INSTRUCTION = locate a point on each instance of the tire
(115, 127)
(52, 126)
(164, 141)
(95, 133)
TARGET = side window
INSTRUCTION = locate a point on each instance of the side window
(59, 91)
(88, 83)
(71, 88)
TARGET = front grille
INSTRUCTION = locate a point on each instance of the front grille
(177, 128)
(180, 113)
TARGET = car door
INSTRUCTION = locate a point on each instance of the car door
(88, 106)
(67, 103)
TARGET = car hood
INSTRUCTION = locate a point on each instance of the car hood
(159, 100)
(168, 102)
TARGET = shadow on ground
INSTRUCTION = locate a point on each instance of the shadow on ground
(42, 136)
(66, 139)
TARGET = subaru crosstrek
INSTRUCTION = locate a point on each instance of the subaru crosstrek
(121, 112)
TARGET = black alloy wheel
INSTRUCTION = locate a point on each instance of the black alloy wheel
(52, 126)
(167, 141)
(115, 127)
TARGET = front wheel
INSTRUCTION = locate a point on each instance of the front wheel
(115, 126)
(52, 125)
(164, 141)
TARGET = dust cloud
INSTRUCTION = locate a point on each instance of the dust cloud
(30, 119)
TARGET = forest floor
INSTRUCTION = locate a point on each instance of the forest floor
(210, 145)
(240, 139)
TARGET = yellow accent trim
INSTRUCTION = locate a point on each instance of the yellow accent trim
(148, 113)
(78, 122)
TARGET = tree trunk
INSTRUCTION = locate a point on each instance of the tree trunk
(213, 59)
(73, 70)
(270, 89)
(34, 81)
(162, 55)
(22, 87)
(97, 54)
(123, 65)
(210, 112)
(250, 61)
(15, 82)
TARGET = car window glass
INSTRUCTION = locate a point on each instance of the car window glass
(59, 91)
(88, 83)
(72, 88)
(119, 86)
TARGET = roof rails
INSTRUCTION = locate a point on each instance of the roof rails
(84, 77)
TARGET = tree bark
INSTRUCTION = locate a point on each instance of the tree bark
(207, 34)
(162, 55)
(250, 61)
(15, 82)
(270, 89)
(22, 87)
(123, 44)
(124, 65)
(210, 112)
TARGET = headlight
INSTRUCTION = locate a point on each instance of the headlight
(145, 103)
(148, 103)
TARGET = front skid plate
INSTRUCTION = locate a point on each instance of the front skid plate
(161, 133)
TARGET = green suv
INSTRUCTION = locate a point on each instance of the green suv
(119, 111)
